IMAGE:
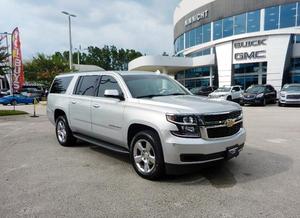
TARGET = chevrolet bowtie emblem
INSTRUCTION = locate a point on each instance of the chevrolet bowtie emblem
(229, 123)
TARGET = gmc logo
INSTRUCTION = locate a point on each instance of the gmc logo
(250, 55)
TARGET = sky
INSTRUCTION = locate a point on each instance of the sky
(143, 25)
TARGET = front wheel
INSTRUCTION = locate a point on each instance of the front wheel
(13, 102)
(146, 155)
(64, 133)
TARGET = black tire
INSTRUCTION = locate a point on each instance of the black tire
(158, 169)
(229, 98)
(69, 140)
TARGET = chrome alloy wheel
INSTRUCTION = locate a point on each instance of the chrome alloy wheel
(144, 156)
(61, 131)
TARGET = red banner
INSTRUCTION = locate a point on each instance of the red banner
(18, 71)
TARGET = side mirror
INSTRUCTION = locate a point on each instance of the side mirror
(113, 93)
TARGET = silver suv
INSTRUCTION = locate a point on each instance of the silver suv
(152, 117)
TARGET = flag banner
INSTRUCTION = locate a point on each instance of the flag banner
(18, 70)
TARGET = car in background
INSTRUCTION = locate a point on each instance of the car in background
(16, 99)
(289, 94)
(259, 95)
(230, 93)
(203, 90)
(33, 91)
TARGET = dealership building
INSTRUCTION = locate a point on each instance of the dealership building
(232, 42)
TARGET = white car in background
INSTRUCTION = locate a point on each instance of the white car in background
(229, 93)
(289, 94)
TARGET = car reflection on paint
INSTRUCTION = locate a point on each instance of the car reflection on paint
(16, 99)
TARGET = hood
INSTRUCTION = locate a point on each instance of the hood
(190, 104)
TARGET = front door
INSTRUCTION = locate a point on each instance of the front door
(107, 113)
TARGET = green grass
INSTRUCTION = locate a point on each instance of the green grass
(11, 112)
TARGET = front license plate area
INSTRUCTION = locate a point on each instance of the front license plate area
(232, 152)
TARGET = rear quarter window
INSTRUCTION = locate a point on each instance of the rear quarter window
(60, 85)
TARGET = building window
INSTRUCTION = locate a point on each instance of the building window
(207, 33)
(218, 29)
(240, 24)
(228, 27)
(272, 18)
(288, 15)
(253, 21)
(199, 35)
(179, 44)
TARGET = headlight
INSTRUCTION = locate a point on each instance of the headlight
(260, 95)
(282, 95)
(187, 125)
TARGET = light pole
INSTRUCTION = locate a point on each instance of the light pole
(70, 38)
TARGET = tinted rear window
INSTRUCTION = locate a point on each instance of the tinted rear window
(86, 85)
(60, 85)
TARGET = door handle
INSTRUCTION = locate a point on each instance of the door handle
(73, 102)
(96, 106)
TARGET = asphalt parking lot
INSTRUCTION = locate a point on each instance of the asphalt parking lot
(39, 178)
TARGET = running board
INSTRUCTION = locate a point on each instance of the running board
(102, 144)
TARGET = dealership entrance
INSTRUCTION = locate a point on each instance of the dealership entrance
(246, 75)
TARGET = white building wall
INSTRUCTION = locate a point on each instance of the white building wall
(277, 51)
(224, 59)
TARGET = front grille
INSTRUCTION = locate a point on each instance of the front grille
(220, 132)
(293, 97)
(220, 117)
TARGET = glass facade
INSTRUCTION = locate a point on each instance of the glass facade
(294, 75)
(272, 18)
(194, 78)
(281, 16)
(246, 75)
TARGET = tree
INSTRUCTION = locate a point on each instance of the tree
(43, 69)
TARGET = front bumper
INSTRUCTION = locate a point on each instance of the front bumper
(289, 101)
(252, 101)
(188, 151)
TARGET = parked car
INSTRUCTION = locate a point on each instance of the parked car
(33, 91)
(203, 91)
(16, 99)
(289, 94)
(230, 93)
(162, 126)
(259, 95)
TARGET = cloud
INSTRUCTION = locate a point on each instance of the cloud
(143, 25)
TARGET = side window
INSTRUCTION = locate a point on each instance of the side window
(86, 85)
(60, 85)
(107, 82)
(237, 89)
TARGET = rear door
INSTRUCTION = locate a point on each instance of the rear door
(80, 104)
(107, 113)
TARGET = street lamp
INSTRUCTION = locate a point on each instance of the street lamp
(70, 38)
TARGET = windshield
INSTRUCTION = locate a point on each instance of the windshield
(148, 86)
(223, 89)
(255, 89)
(291, 88)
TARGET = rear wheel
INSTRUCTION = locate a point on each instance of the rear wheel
(146, 155)
(64, 133)
(229, 98)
